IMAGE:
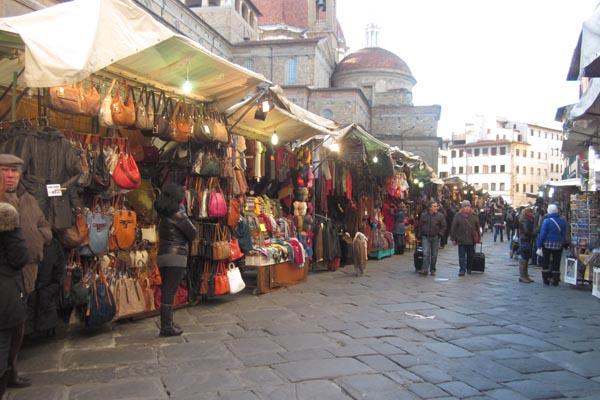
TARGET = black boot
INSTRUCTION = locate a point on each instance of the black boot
(166, 322)
(555, 278)
(546, 277)
(14, 380)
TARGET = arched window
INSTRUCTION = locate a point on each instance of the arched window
(252, 19)
(327, 113)
(245, 12)
(237, 5)
(292, 71)
(214, 3)
(249, 64)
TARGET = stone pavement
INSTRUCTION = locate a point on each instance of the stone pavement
(390, 334)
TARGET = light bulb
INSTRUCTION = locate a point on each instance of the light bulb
(416, 180)
(274, 138)
(334, 147)
(187, 87)
(375, 159)
(266, 107)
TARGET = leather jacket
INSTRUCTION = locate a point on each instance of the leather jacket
(175, 233)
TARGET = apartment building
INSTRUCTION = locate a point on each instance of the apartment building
(509, 159)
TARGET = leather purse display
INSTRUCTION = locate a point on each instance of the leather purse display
(123, 112)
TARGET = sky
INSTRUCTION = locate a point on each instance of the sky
(506, 58)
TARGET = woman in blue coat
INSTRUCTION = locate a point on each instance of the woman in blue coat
(553, 238)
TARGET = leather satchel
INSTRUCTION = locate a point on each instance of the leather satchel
(123, 113)
(76, 235)
(129, 297)
(181, 123)
(217, 205)
(65, 98)
(124, 228)
(90, 104)
(105, 114)
(99, 221)
(220, 133)
(221, 279)
(162, 125)
(221, 250)
(144, 113)
(203, 126)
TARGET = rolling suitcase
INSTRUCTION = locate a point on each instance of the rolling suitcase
(478, 260)
(418, 256)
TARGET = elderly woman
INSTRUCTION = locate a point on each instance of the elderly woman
(399, 213)
(526, 240)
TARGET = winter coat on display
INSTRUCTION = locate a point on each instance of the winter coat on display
(42, 303)
(13, 256)
(400, 215)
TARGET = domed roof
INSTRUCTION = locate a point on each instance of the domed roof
(372, 58)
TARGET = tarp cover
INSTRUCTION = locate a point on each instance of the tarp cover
(67, 42)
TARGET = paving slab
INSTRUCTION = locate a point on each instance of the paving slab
(375, 386)
(297, 371)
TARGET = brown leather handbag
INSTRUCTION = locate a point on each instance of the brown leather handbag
(65, 98)
(181, 123)
(90, 104)
(123, 113)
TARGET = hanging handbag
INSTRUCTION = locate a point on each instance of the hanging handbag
(101, 303)
(75, 292)
(219, 127)
(149, 234)
(181, 123)
(126, 174)
(65, 98)
(123, 230)
(129, 297)
(221, 250)
(217, 205)
(99, 221)
(221, 279)
(210, 166)
(233, 212)
(100, 176)
(234, 275)
(162, 125)
(90, 104)
(205, 278)
(236, 252)
(76, 235)
(203, 126)
(105, 114)
(144, 113)
(123, 113)
(142, 199)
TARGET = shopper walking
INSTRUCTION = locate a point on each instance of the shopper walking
(526, 239)
(553, 238)
(14, 255)
(498, 223)
(432, 225)
(399, 213)
(176, 232)
(465, 232)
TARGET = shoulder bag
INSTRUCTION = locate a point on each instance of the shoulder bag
(65, 98)
(181, 123)
(105, 114)
(123, 112)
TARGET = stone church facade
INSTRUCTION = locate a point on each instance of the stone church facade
(300, 45)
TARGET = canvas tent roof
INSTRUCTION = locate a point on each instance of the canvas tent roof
(119, 39)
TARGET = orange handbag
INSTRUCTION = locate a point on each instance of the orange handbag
(123, 113)
(181, 123)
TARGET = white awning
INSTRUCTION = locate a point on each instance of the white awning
(67, 42)
(564, 182)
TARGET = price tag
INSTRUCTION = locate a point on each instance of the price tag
(263, 227)
(54, 190)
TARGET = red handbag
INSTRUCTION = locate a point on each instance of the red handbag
(126, 174)
(236, 252)
(221, 279)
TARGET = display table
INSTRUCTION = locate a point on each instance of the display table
(273, 276)
(378, 255)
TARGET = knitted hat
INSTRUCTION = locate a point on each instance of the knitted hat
(465, 203)
(552, 209)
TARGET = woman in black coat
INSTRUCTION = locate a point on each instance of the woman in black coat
(175, 232)
(13, 256)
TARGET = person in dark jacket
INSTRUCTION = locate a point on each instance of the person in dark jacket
(553, 238)
(399, 213)
(432, 225)
(465, 232)
(526, 239)
(13, 257)
(176, 232)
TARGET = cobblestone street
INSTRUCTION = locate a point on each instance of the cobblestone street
(390, 334)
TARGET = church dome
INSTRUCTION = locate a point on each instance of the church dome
(372, 58)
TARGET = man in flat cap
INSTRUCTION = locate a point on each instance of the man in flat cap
(465, 232)
(36, 231)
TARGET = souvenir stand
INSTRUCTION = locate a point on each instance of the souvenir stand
(355, 184)
(281, 185)
(580, 208)
(118, 135)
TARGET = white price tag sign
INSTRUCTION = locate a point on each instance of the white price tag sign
(54, 190)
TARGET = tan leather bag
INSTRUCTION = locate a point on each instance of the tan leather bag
(123, 113)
